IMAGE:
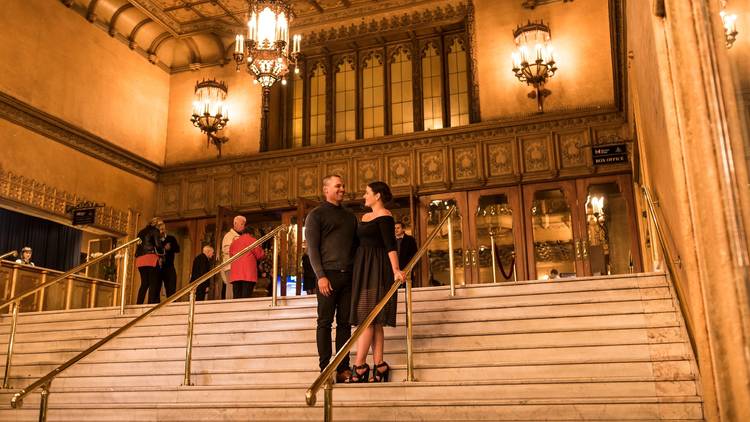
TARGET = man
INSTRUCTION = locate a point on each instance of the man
(167, 272)
(202, 265)
(406, 246)
(331, 231)
(238, 227)
(25, 257)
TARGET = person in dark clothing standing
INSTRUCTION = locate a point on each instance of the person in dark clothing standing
(147, 260)
(309, 281)
(330, 230)
(167, 272)
(406, 248)
(201, 265)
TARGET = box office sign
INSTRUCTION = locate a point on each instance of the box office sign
(610, 154)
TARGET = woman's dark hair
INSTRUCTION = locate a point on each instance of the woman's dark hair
(382, 188)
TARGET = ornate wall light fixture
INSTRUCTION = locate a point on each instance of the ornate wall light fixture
(210, 112)
(534, 60)
(729, 22)
(266, 50)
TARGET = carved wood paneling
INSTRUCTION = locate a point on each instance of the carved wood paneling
(279, 186)
(399, 173)
(197, 195)
(469, 157)
(222, 192)
(466, 164)
(501, 158)
(432, 170)
(308, 181)
(249, 190)
(538, 157)
(368, 170)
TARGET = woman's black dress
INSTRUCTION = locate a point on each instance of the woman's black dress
(373, 274)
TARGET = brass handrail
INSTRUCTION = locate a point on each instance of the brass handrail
(16, 300)
(45, 381)
(9, 253)
(670, 260)
(325, 379)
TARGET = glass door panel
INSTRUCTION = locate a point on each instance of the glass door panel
(437, 264)
(552, 251)
(495, 224)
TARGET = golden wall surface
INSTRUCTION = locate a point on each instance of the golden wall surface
(52, 59)
(186, 143)
(56, 167)
(580, 34)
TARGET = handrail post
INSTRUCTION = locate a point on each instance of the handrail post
(328, 402)
(69, 293)
(409, 333)
(451, 264)
(11, 340)
(275, 272)
(494, 258)
(40, 302)
(124, 279)
(44, 401)
(189, 348)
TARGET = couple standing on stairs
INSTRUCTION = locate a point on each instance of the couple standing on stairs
(355, 264)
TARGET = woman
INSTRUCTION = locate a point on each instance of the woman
(375, 269)
(147, 259)
(244, 271)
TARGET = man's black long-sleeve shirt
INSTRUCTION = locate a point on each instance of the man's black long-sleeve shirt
(331, 234)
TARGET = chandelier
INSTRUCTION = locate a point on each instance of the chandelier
(729, 23)
(534, 60)
(266, 50)
(210, 112)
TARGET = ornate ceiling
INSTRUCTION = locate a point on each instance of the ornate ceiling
(180, 35)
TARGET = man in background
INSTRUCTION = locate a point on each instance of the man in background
(238, 227)
(167, 271)
(201, 265)
(406, 247)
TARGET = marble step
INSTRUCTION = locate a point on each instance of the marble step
(427, 294)
(486, 313)
(622, 409)
(225, 373)
(110, 319)
(394, 341)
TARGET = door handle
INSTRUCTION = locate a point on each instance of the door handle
(578, 249)
(474, 257)
(467, 257)
(585, 249)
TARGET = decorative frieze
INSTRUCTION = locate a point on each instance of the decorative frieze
(40, 197)
(469, 157)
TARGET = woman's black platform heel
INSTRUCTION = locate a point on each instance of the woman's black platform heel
(358, 376)
(381, 376)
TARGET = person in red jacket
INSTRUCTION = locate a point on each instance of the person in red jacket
(244, 271)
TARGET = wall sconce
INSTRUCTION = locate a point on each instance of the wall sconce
(210, 113)
(729, 22)
(534, 60)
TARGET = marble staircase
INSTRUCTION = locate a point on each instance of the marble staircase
(595, 349)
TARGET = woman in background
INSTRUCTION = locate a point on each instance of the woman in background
(147, 259)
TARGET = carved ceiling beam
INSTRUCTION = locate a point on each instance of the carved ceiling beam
(229, 13)
(134, 32)
(90, 12)
(317, 6)
(116, 16)
(157, 42)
